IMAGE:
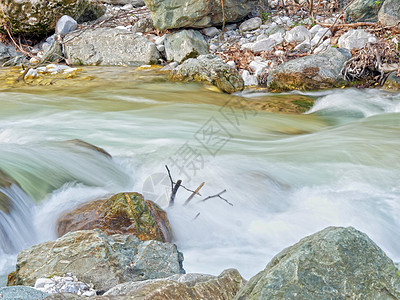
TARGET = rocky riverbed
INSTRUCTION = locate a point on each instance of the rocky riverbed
(254, 44)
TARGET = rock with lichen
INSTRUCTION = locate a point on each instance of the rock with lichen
(212, 69)
(123, 213)
(40, 17)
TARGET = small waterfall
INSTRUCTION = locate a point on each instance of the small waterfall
(16, 227)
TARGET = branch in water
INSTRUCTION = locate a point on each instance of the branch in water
(218, 196)
(196, 192)
(176, 187)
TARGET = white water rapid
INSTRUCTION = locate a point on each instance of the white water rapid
(287, 176)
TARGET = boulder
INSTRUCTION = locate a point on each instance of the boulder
(318, 71)
(182, 287)
(212, 69)
(363, 11)
(392, 82)
(109, 46)
(356, 39)
(40, 17)
(389, 14)
(123, 213)
(335, 263)
(168, 14)
(185, 44)
(21, 292)
(96, 258)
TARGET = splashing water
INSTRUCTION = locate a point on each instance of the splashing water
(287, 176)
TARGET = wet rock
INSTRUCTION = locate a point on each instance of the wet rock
(389, 14)
(392, 82)
(212, 69)
(356, 39)
(65, 25)
(96, 258)
(250, 24)
(109, 46)
(182, 287)
(298, 34)
(123, 213)
(168, 14)
(312, 72)
(363, 11)
(335, 263)
(6, 53)
(40, 17)
(185, 44)
(5, 182)
(21, 292)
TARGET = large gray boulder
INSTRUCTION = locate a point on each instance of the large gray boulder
(212, 69)
(109, 46)
(96, 258)
(168, 14)
(314, 72)
(363, 11)
(389, 14)
(185, 44)
(40, 16)
(335, 263)
(183, 287)
(21, 292)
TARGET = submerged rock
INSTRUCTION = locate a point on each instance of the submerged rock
(389, 14)
(168, 14)
(212, 69)
(123, 213)
(335, 263)
(185, 44)
(96, 258)
(183, 287)
(40, 17)
(109, 46)
(363, 11)
(5, 182)
(312, 72)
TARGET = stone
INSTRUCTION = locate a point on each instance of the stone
(322, 47)
(313, 72)
(65, 25)
(40, 17)
(64, 284)
(143, 25)
(356, 39)
(263, 45)
(389, 13)
(297, 35)
(134, 3)
(250, 24)
(315, 29)
(258, 66)
(169, 14)
(392, 82)
(109, 46)
(211, 31)
(320, 36)
(212, 69)
(170, 67)
(274, 28)
(123, 213)
(304, 46)
(6, 52)
(21, 292)
(335, 263)
(182, 287)
(231, 63)
(185, 44)
(98, 259)
(249, 80)
(363, 11)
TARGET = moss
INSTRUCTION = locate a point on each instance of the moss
(303, 104)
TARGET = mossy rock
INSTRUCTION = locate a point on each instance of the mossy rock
(123, 213)
(40, 17)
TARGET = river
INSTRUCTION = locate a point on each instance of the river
(286, 176)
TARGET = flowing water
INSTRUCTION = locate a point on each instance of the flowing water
(286, 176)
